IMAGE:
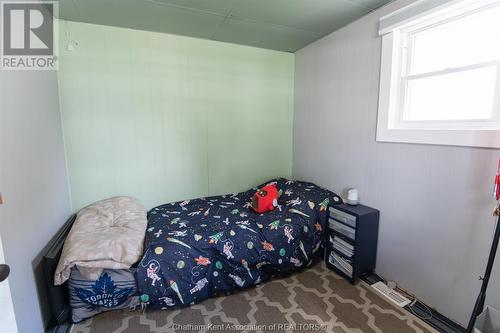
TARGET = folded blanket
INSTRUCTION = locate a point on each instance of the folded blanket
(108, 234)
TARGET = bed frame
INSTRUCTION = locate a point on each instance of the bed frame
(58, 295)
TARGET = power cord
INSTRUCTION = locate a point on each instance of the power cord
(414, 301)
(429, 312)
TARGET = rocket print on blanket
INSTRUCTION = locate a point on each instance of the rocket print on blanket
(201, 247)
(174, 287)
(245, 264)
(202, 261)
(173, 240)
(274, 225)
(267, 246)
(215, 238)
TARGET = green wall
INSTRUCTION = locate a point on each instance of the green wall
(164, 118)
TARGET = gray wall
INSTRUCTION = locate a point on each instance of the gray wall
(33, 182)
(435, 201)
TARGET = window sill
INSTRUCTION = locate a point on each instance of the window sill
(469, 138)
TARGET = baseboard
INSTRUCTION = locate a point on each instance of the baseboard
(427, 314)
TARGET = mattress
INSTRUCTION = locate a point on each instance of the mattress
(199, 248)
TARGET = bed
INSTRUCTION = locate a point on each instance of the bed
(199, 248)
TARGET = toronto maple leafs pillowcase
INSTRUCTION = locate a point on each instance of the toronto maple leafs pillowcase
(115, 289)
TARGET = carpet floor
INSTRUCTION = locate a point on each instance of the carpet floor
(313, 300)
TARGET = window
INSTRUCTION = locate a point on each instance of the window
(440, 76)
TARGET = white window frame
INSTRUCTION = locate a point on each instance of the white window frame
(396, 29)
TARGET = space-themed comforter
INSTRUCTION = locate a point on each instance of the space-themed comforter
(199, 248)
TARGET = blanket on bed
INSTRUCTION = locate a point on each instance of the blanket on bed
(199, 248)
(108, 234)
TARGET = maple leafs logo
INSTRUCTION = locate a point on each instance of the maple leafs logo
(104, 293)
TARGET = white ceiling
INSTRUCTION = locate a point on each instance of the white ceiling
(284, 25)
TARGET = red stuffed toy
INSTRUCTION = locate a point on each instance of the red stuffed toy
(265, 199)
